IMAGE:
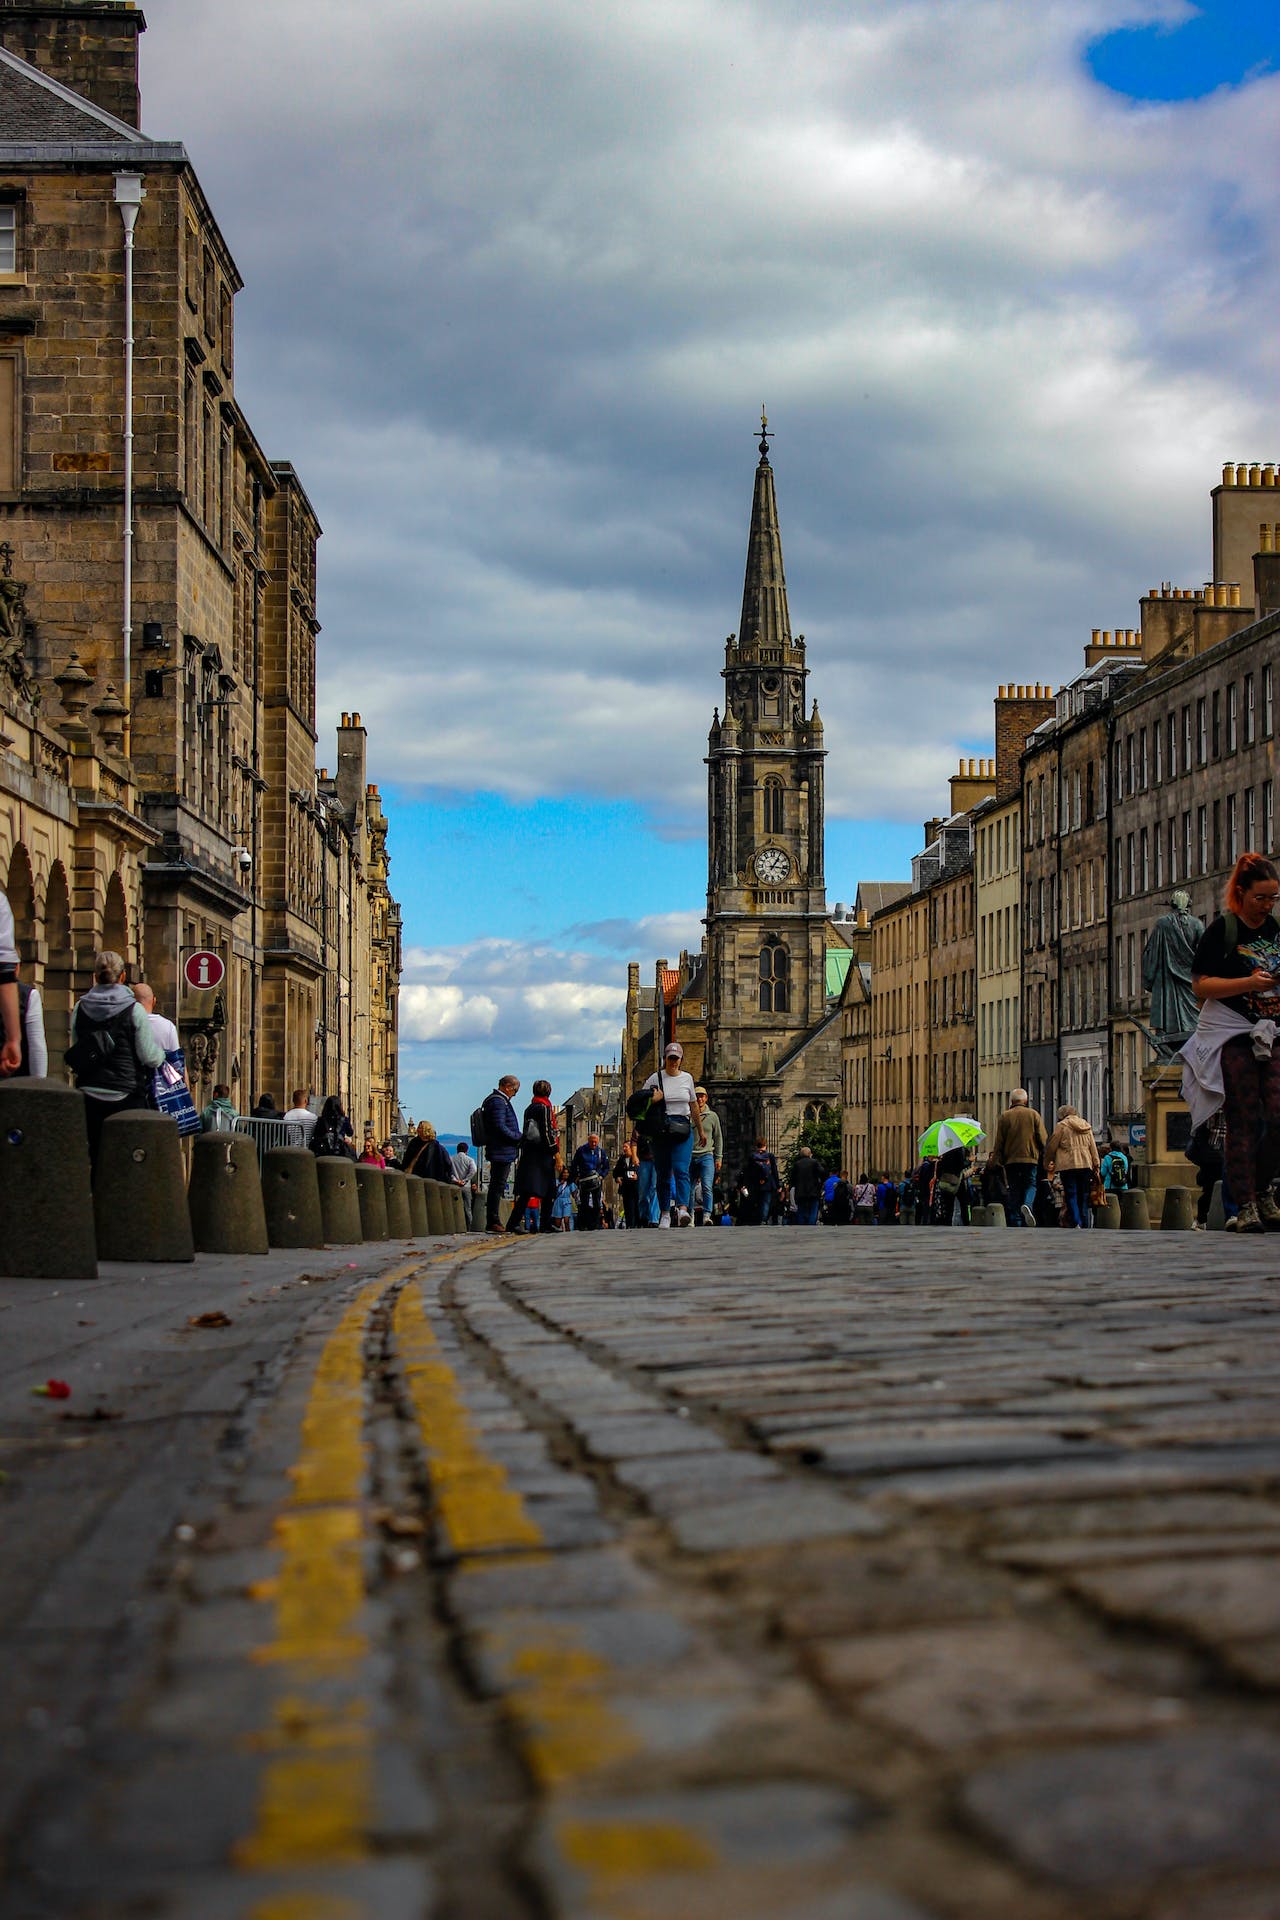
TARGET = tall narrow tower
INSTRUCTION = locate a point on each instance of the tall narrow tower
(766, 888)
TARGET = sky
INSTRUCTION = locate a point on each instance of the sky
(520, 276)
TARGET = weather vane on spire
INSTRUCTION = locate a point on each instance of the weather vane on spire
(765, 435)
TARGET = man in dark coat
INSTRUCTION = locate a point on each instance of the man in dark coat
(587, 1171)
(501, 1144)
(806, 1185)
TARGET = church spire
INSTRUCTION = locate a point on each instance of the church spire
(765, 621)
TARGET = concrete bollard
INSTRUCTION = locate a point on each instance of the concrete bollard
(436, 1222)
(140, 1196)
(1108, 1214)
(1133, 1209)
(456, 1209)
(339, 1202)
(417, 1206)
(291, 1197)
(399, 1218)
(1178, 1215)
(978, 1214)
(1217, 1212)
(225, 1195)
(995, 1216)
(371, 1184)
(46, 1204)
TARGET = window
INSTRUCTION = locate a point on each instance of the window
(1268, 704)
(1171, 743)
(773, 806)
(8, 237)
(1250, 818)
(1186, 845)
(10, 423)
(1156, 745)
(1173, 852)
(1202, 732)
(1250, 714)
(1202, 835)
(1268, 818)
(1233, 717)
(1233, 829)
(1118, 887)
(1186, 739)
(1215, 741)
(1142, 760)
(774, 977)
(1217, 834)
(1128, 763)
(1131, 865)
(1144, 854)
(1157, 850)
(1089, 796)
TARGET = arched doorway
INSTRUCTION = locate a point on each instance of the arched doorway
(20, 888)
(115, 920)
(58, 991)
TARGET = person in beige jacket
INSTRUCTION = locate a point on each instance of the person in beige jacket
(1072, 1153)
(1016, 1150)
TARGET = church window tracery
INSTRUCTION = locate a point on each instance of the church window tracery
(775, 975)
(773, 805)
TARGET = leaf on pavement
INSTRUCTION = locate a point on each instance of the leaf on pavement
(215, 1319)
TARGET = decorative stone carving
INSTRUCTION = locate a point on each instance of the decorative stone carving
(15, 632)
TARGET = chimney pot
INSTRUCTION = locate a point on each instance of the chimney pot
(1229, 474)
(1255, 475)
(1269, 474)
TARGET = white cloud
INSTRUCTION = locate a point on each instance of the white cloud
(445, 1013)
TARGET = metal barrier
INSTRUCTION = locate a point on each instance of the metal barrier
(266, 1134)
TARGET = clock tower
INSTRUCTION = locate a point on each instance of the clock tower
(766, 889)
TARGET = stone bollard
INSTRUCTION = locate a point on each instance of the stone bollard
(995, 1216)
(456, 1211)
(978, 1214)
(339, 1202)
(417, 1206)
(1217, 1212)
(371, 1184)
(399, 1218)
(291, 1197)
(140, 1196)
(436, 1222)
(1178, 1214)
(1133, 1209)
(225, 1195)
(1108, 1214)
(46, 1203)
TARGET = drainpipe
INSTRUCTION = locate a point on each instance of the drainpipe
(129, 198)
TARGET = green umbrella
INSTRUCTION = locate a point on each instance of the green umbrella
(945, 1135)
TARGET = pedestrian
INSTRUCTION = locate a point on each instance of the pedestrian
(264, 1108)
(1018, 1149)
(220, 1115)
(1205, 1151)
(864, 1202)
(562, 1204)
(1232, 1061)
(586, 1172)
(466, 1173)
(806, 1185)
(626, 1176)
(704, 1163)
(1072, 1153)
(536, 1168)
(675, 1123)
(163, 1028)
(923, 1181)
(428, 1157)
(330, 1137)
(34, 1062)
(10, 1016)
(501, 1143)
(371, 1154)
(114, 1052)
(647, 1197)
(1115, 1170)
(299, 1114)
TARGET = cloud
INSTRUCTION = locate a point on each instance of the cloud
(1007, 323)
(508, 995)
(665, 934)
(445, 1013)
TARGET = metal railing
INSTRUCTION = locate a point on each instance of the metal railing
(271, 1133)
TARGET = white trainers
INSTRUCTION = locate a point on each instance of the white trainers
(683, 1217)
(664, 1220)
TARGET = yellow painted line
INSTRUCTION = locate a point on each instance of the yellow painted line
(557, 1691)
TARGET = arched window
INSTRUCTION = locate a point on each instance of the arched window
(775, 971)
(772, 805)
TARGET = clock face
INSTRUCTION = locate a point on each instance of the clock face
(772, 865)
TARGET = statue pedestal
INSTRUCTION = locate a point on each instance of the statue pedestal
(1168, 1131)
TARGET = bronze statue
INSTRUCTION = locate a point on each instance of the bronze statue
(1166, 972)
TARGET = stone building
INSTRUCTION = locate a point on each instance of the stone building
(997, 871)
(773, 1032)
(177, 666)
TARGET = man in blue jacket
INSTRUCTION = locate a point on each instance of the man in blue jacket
(590, 1165)
(501, 1143)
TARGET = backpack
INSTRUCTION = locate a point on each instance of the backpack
(1115, 1168)
(103, 1053)
(479, 1130)
(532, 1135)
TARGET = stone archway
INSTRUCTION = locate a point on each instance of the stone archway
(58, 990)
(20, 888)
(115, 920)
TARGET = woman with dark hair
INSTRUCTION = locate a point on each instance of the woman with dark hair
(1232, 1060)
(329, 1135)
(536, 1167)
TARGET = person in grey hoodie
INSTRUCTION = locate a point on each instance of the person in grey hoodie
(113, 1051)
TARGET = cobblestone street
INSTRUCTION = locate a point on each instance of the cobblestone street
(780, 1575)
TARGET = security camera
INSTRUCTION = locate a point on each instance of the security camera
(244, 859)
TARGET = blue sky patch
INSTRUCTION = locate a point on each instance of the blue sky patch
(1224, 43)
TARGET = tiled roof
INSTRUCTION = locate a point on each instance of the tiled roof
(37, 109)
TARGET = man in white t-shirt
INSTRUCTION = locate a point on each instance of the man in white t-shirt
(164, 1030)
(300, 1114)
(464, 1172)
